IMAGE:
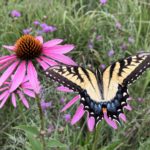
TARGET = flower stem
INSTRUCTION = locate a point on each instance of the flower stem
(42, 125)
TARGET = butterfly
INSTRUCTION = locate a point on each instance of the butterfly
(106, 91)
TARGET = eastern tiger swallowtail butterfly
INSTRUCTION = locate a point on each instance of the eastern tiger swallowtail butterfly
(106, 91)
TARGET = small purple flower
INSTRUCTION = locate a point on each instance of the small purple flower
(15, 13)
(67, 117)
(45, 105)
(43, 25)
(103, 2)
(124, 46)
(90, 44)
(140, 99)
(131, 40)
(111, 53)
(39, 32)
(36, 22)
(102, 66)
(118, 25)
(50, 129)
(27, 31)
(62, 100)
(48, 29)
(98, 37)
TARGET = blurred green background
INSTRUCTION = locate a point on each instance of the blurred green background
(119, 26)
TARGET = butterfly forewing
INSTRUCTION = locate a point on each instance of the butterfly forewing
(77, 79)
(124, 72)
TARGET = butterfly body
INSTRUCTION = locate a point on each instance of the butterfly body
(106, 92)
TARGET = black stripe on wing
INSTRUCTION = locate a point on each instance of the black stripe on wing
(140, 69)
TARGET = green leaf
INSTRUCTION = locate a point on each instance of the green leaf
(34, 142)
(55, 143)
(28, 129)
(113, 145)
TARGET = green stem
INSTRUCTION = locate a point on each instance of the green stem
(42, 131)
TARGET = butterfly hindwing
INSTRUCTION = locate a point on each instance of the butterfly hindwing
(77, 79)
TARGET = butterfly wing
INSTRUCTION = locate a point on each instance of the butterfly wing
(77, 79)
(123, 72)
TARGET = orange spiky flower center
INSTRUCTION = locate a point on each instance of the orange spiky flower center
(28, 47)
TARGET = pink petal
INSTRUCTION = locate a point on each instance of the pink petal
(42, 63)
(25, 79)
(109, 121)
(52, 42)
(29, 93)
(3, 95)
(90, 123)
(70, 103)
(33, 79)
(59, 49)
(18, 76)
(9, 47)
(48, 61)
(3, 57)
(26, 85)
(23, 99)
(7, 59)
(40, 38)
(8, 72)
(63, 89)
(78, 114)
(5, 65)
(62, 58)
(4, 101)
(4, 88)
(128, 107)
(123, 117)
(13, 100)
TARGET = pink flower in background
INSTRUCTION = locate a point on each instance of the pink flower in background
(118, 25)
(46, 28)
(111, 53)
(90, 120)
(23, 90)
(67, 117)
(36, 23)
(45, 105)
(103, 2)
(28, 50)
(15, 13)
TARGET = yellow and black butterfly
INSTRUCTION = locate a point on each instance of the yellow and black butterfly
(106, 91)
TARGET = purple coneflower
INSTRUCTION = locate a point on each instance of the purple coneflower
(15, 13)
(24, 89)
(90, 120)
(25, 52)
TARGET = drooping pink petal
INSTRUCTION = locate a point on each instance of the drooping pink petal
(90, 123)
(18, 76)
(40, 38)
(59, 49)
(7, 59)
(42, 63)
(123, 117)
(3, 94)
(4, 88)
(61, 58)
(109, 121)
(5, 65)
(4, 101)
(3, 57)
(52, 42)
(128, 107)
(29, 93)
(63, 89)
(13, 100)
(9, 47)
(8, 72)
(26, 85)
(78, 114)
(33, 78)
(70, 103)
(49, 61)
(25, 79)
(23, 99)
